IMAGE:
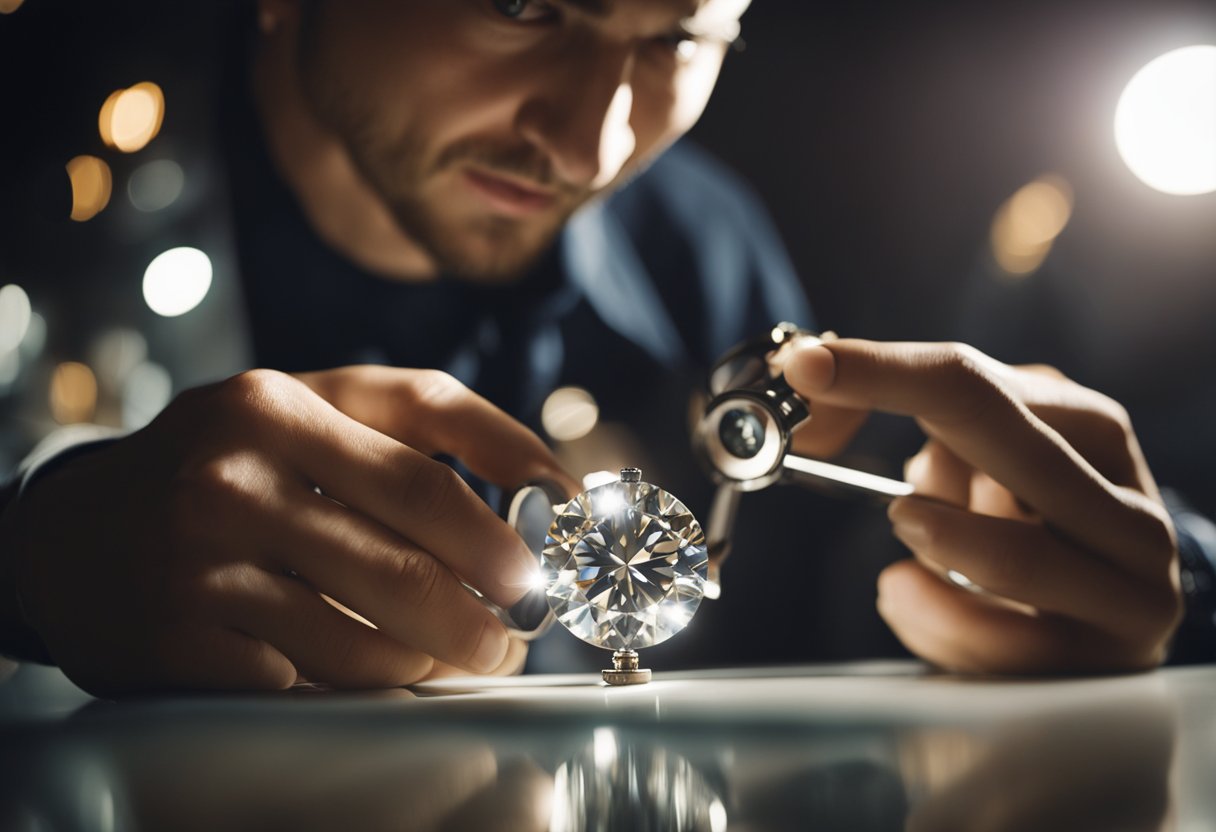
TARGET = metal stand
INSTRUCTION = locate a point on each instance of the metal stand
(625, 670)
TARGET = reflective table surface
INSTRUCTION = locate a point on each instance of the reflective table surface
(877, 746)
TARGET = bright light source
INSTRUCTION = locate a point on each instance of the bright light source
(156, 185)
(73, 393)
(91, 185)
(15, 315)
(1028, 223)
(132, 117)
(177, 281)
(1165, 124)
(569, 413)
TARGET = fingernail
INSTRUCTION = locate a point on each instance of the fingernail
(811, 368)
(491, 649)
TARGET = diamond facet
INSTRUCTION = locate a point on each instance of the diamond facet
(625, 565)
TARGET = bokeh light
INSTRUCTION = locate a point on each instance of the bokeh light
(177, 281)
(114, 355)
(1165, 123)
(156, 185)
(132, 117)
(10, 6)
(147, 390)
(1028, 223)
(73, 393)
(34, 341)
(15, 316)
(91, 186)
(10, 370)
(569, 413)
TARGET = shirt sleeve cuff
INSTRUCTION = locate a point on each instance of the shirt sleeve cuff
(20, 641)
(1196, 637)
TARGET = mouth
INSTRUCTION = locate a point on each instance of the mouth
(507, 195)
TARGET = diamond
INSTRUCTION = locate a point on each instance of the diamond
(625, 565)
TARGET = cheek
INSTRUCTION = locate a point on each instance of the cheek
(415, 69)
(666, 109)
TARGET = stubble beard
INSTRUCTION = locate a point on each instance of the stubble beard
(484, 248)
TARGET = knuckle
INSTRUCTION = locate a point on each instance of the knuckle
(435, 389)
(975, 390)
(434, 490)
(199, 493)
(1116, 412)
(417, 575)
(258, 390)
(1112, 423)
(1157, 530)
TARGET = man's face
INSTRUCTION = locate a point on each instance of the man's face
(483, 124)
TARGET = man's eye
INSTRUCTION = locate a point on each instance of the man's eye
(525, 10)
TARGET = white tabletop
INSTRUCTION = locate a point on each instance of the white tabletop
(861, 746)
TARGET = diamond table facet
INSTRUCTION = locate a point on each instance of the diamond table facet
(625, 565)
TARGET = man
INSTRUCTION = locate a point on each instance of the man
(434, 151)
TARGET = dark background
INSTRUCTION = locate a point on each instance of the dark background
(883, 136)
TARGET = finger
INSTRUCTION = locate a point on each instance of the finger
(512, 664)
(418, 498)
(321, 642)
(1025, 562)
(938, 473)
(960, 630)
(217, 658)
(434, 413)
(990, 497)
(957, 396)
(402, 589)
(828, 430)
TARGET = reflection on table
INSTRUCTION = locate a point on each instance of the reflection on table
(797, 749)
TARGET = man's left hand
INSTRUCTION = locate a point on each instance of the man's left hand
(1032, 487)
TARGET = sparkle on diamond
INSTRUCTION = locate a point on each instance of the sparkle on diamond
(625, 566)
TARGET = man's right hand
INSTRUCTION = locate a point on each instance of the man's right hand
(196, 552)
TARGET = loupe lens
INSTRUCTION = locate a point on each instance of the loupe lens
(742, 433)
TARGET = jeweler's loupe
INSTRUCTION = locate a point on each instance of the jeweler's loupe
(745, 435)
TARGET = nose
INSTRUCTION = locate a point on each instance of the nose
(579, 115)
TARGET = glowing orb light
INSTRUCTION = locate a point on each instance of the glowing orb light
(177, 281)
(1165, 124)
